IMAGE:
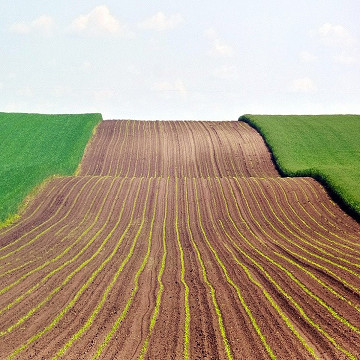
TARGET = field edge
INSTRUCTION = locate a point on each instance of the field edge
(347, 207)
(13, 216)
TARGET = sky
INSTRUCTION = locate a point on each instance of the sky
(171, 59)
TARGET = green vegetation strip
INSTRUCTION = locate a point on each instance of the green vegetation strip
(100, 305)
(136, 278)
(183, 281)
(296, 244)
(64, 264)
(205, 277)
(73, 182)
(279, 254)
(351, 245)
(35, 146)
(159, 279)
(88, 282)
(286, 295)
(230, 281)
(287, 249)
(326, 147)
(42, 233)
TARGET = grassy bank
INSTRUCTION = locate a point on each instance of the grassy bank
(326, 147)
(36, 146)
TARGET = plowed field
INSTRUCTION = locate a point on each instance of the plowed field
(179, 240)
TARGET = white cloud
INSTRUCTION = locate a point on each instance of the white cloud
(168, 87)
(219, 47)
(161, 22)
(226, 72)
(304, 85)
(308, 57)
(345, 59)
(336, 35)
(222, 49)
(98, 21)
(44, 24)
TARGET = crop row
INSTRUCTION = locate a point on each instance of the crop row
(176, 149)
(253, 267)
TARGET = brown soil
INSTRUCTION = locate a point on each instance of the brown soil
(179, 240)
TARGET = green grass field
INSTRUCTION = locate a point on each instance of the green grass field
(326, 147)
(36, 146)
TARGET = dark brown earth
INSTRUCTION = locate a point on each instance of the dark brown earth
(179, 240)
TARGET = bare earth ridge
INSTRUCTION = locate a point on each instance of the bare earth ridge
(179, 240)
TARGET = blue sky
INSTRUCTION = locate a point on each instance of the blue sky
(190, 59)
